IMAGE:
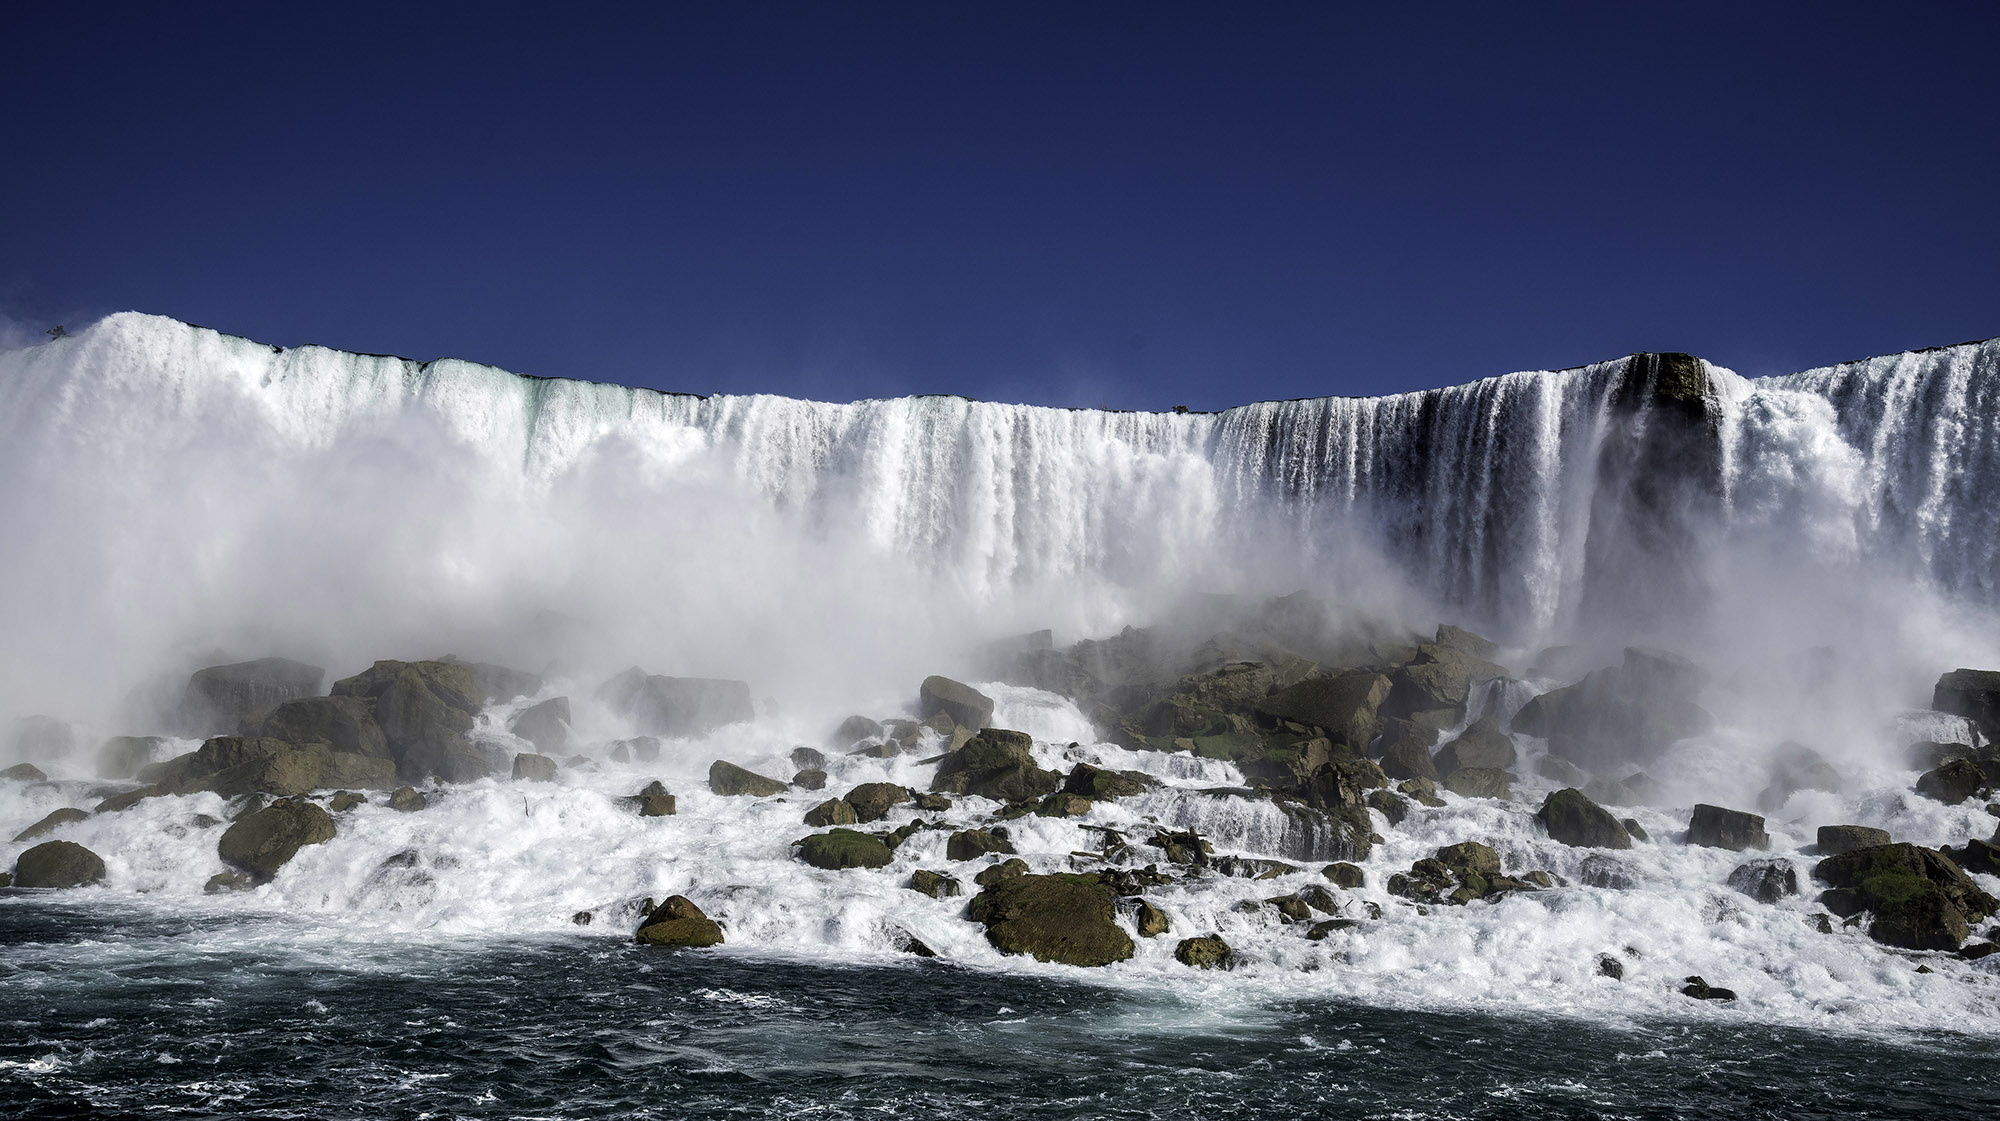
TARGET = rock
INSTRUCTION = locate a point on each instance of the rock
(1579, 822)
(247, 805)
(1978, 856)
(1633, 827)
(263, 842)
(730, 780)
(653, 801)
(1719, 828)
(844, 848)
(529, 767)
(1609, 966)
(1062, 918)
(1347, 706)
(1100, 785)
(1150, 921)
(1837, 839)
(1005, 870)
(937, 885)
(1482, 745)
(1389, 806)
(545, 725)
(341, 723)
(224, 882)
(909, 943)
(51, 823)
(1479, 782)
(1344, 874)
(872, 801)
(683, 707)
(1766, 881)
(808, 759)
(24, 772)
(1973, 694)
(1952, 782)
(678, 922)
(1408, 756)
(1920, 899)
(833, 811)
(344, 800)
(853, 730)
(230, 698)
(425, 710)
(1423, 790)
(407, 800)
(1470, 858)
(1622, 714)
(1206, 952)
(971, 844)
(44, 738)
(1561, 770)
(1702, 990)
(995, 764)
(1290, 908)
(1458, 874)
(119, 803)
(888, 749)
(1611, 792)
(120, 757)
(967, 707)
(58, 864)
(235, 765)
(1797, 767)
(810, 780)
(1607, 872)
(1465, 642)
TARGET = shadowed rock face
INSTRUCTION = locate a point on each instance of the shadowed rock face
(425, 710)
(265, 841)
(1716, 827)
(967, 707)
(678, 922)
(58, 864)
(1060, 918)
(1623, 714)
(1920, 899)
(995, 764)
(229, 698)
(1575, 820)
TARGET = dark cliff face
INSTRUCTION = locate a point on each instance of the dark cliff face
(1659, 493)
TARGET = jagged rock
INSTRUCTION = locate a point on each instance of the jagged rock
(545, 725)
(1479, 782)
(1702, 990)
(1347, 706)
(1837, 839)
(1389, 805)
(872, 801)
(1456, 875)
(808, 759)
(1766, 881)
(263, 842)
(853, 730)
(1610, 966)
(1633, 827)
(995, 764)
(833, 811)
(1482, 745)
(58, 864)
(1061, 918)
(730, 780)
(1797, 767)
(1719, 828)
(971, 844)
(1575, 820)
(1290, 908)
(1005, 870)
(224, 882)
(1973, 694)
(1150, 921)
(967, 707)
(844, 848)
(937, 885)
(677, 706)
(244, 807)
(1406, 752)
(1920, 899)
(407, 800)
(810, 780)
(1100, 785)
(529, 767)
(678, 922)
(1952, 782)
(1465, 642)
(1470, 858)
(1344, 874)
(425, 710)
(1976, 856)
(344, 800)
(1561, 770)
(1620, 714)
(230, 698)
(51, 823)
(1423, 790)
(120, 757)
(1436, 684)
(343, 723)
(24, 772)
(1608, 872)
(653, 801)
(236, 765)
(909, 943)
(1206, 952)
(1060, 804)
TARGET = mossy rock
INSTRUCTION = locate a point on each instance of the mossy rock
(1101, 785)
(833, 811)
(1150, 920)
(653, 801)
(1062, 804)
(971, 844)
(1344, 874)
(998, 764)
(58, 864)
(937, 885)
(1952, 781)
(1921, 900)
(263, 842)
(872, 801)
(1062, 918)
(1005, 870)
(844, 848)
(51, 823)
(967, 707)
(1205, 952)
(679, 923)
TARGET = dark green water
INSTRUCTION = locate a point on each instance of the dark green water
(122, 1013)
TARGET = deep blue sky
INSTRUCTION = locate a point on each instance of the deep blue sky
(1133, 205)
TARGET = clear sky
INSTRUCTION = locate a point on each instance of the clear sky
(1129, 205)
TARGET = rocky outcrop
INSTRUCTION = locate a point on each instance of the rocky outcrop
(1766, 881)
(1973, 694)
(265, 841)
(833, 811)
(425, 710)
(1481, 745)
(995, 764)
(232, 698)
(1100, 785)
(1575, 820)
(730, 780)
(1836, 839)
(1480, 782)
(1952, 781)
(529, 767)
(937, 885)
(1433, 687)
(679, 923)
(236, 765)
(836, 849)
(972, 844)
(407, 799)
(677, 706)
(1719, 828)
(967, 707)
(545, 725)
(1458, 874)
(1063, 918)
(49, 824)
(58, 864)
(1206, 952)
(1919, 898)
(1347, 706)
(344, 724)
(853, 730)
(872, 801)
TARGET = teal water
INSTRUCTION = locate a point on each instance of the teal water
(114, 1011)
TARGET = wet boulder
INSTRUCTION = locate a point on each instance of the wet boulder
(425, 710)
(1836, 839)
(1796, 767)
(853, 730)
(1575, 820)
(121, 757)
(972, 844)
(809, 779)
(677, 706)
(1701, 990)
(1480, 782)
(1621, 714)
(1390, 805)
(24, 772)
(263, 842)
(1466, 642)
(407, 799)
(1456, 875)
(1420, 790)
(345, 800)
(529, 767)
(1973, 694)
(49, 824)
(1975, 855)
(1405, 750)
(58, 864)
(833, 811)
(678, 923)
(1719, 828)
(344, 724)
(730, 780)
(1601, 871)
(1206, 952)
(1561, 770)
(836, 849)
(653, 801)
(937, 885)
(1920, 899)
(119, 803)
(1101, 785)
(1481, 745)
(1766, 881)
(1344, 875)
(872, 801)
(235, 765)
(44, 738)
(1062, 918)
(232, 698)
(1348, 706)
(996, 764)
(1150, 921)
(545, 725)
(1952, 781)
(967, 707)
